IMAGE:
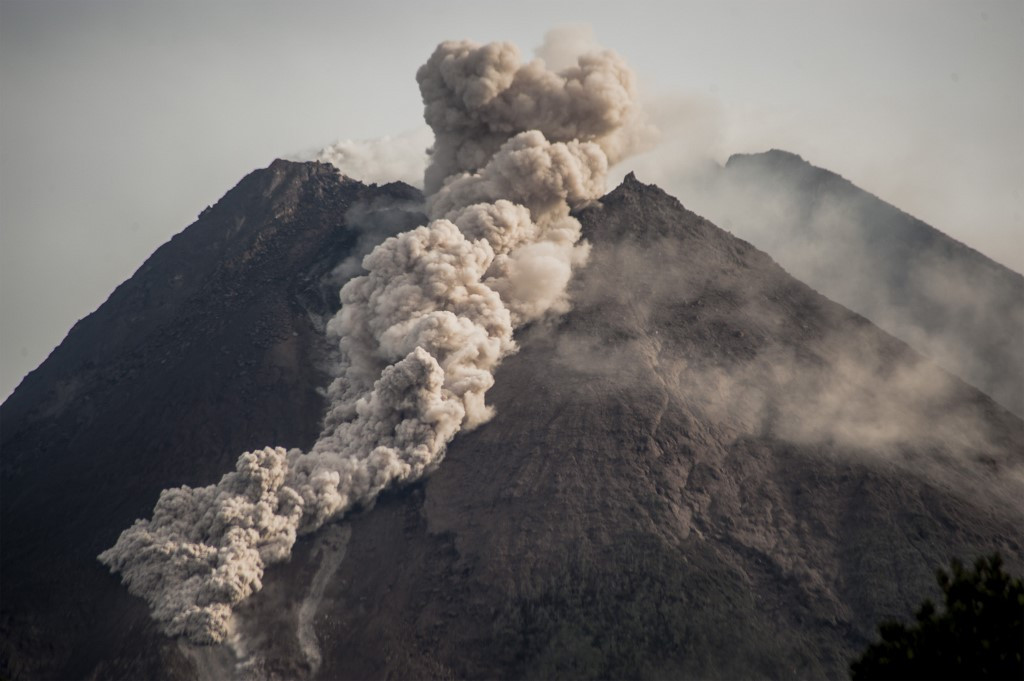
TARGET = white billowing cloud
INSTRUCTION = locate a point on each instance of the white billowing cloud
(383, 159)
(476, 98)
(204, 548)
(420, 334)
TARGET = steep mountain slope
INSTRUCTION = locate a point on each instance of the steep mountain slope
(209, 349)
(941, 296)
(705, 469)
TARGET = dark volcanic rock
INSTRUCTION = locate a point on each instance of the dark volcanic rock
(213, 347)
(706, 469)
(942, 297)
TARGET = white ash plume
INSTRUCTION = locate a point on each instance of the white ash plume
(205, 548)
(420, 334)
(476, 98)
(563, 45)
(383, 159)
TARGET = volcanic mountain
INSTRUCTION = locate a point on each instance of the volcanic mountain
(942, 297)
(704, 469)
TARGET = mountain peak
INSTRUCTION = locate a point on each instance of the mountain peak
(633, 191)
(780, 156)
(946, 299)
(630, 184)
(653, 214)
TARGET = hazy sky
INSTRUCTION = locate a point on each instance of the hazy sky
(121, 121)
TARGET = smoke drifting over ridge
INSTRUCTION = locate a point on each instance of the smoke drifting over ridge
(517, 146)
(386, 159)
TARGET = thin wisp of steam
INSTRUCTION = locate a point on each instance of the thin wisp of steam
(517, 147)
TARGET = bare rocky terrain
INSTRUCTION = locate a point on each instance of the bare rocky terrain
(705, 469)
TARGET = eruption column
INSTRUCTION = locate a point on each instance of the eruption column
(517, 146)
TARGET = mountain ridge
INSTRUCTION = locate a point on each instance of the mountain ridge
(943, 297)
(786, 157)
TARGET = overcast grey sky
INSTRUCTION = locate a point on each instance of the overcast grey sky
(121, 121)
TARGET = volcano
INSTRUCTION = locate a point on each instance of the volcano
(704, 469)
(947, 300)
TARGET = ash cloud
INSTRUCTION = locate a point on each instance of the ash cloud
(563, 45)
(374, 221)
(475, 99)
(517, 146)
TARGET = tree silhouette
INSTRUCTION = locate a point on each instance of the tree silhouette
(979, 634)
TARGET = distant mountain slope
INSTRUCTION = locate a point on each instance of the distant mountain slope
(706, 469)
(942, 297)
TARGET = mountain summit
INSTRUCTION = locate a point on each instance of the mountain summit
(945, 299)
(703, 469)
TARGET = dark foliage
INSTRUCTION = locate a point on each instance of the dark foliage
(979, 634)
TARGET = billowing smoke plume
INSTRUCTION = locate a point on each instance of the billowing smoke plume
(420, 335)
(385, 159)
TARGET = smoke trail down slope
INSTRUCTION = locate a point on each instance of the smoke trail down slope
(420, 335)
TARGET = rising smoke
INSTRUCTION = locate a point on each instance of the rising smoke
(517, 146)
(392, 158)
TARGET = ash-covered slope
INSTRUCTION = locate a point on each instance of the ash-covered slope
(214, 346)
(706, 469)
(942, 297)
